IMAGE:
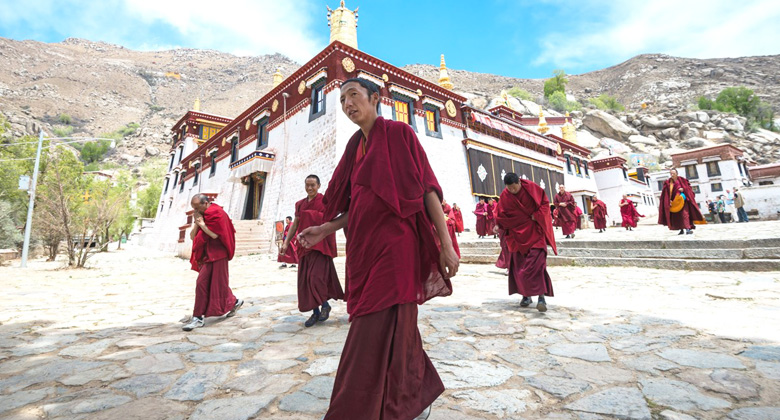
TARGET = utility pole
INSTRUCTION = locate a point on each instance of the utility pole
(28, 225)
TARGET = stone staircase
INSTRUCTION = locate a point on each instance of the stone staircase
(681, 255)
(250, 237)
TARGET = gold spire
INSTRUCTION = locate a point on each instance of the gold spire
(444, 77)
(568, 131)
(196, 106)
(542, 123)
(278, 77)
(343, 25)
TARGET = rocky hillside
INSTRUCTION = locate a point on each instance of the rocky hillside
(103, 87)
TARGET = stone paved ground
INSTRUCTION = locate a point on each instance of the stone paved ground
(105, 343)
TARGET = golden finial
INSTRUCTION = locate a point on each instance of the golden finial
(278, 77)
(343, 25)
(196, 106)
(444, 77)
(568, 131)
(542, 123)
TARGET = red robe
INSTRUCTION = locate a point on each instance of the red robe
(209, 258)
(458, 219)
(291, 255)
(503, 257)
(629, 214)
(318, 281)
(527, 238)
(690, 213)
(451, 226)
(577, 214)
(599, 214)
(482, 223)
(392, 265)
(566, 216)
(490, 222)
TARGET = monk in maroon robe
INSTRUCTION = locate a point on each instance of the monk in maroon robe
(524, 215)
(503, 257)
(492, 207)
(565, 204)
(482, 223)
(317, 278)
(690, 213)
(629, 213)
(599, 211)
(451, 225)
(289, 256)
(458, 218)
(213, 245)
(399, 255)
(577, 214)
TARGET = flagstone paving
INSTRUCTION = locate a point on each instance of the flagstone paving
(106, 343)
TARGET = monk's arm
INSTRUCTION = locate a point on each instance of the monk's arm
(290, 233)
(312, 235)
(208, 231)
(194, 231)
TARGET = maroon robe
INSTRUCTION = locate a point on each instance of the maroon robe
(566, 216)
(690, 212)
(527, 238)
(392, 264)
(451, 226)
(577, 214)
(458, 219)
(629, 214)
(482, 224)
(209, 258)
(490, 221)
(599, 214)
(291, 255)
(503, 257)
(317, 278)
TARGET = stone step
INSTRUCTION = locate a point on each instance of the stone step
(669, 264)
(685, 242)
(698, 254)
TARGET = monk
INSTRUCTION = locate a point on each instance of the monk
(481, 212)
(213, 245)
(399, 255)
(290, 255)
(685, 218)
(503, 256)
(318, 281)
(599, 211)
(451, 225)
(523, 213)
(458, 218)
(491, 215)
(577, 214)
(565, 204)
(629, 213)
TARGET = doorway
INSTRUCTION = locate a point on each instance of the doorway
(254, 195)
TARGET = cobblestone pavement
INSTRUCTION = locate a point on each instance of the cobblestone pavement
(106, 343)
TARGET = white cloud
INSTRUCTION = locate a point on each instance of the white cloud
(613, 31)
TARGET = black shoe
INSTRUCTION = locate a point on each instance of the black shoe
(689, 232)
(527, 301)
(324, 313)
(541, 305)
(283, 266)
(292, 265)
(682, 232)
(312, 320)
(568, 236)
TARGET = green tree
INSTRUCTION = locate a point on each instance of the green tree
(148, 200)
(94, 151)
(705, 103)
(606, 102)
(10, 235)
(520, 94)
(557, 83)
(559, 103)
(125, 223)
(739, 100)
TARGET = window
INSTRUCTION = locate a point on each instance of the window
(213, 168)
(401, 111)
(167, 180)
(696, 189)
(234, 149)
(625, 174)
(691, 172)
(741, 172)
(175, 179)
(761, 183)
(197, 175)
(181, 183)
(717, 186)
(173, 157)
(181, 153)
(661, 185)
(713, 169)
(577, 167)
(568, 164)
(207, 132)
(585, 166)
(317, 100)
(432, 122)
(262, 134)
(162, 206)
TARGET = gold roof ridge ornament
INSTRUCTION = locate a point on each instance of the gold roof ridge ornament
(542, 123)
(444, 76)
(569, 131)
(278, 77)
(343, 25)
(196, 105)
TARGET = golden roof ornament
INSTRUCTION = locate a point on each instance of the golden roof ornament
(542, 123)
(444, 77)
(343, 25)
(196, 105)
(278, 77)
(568, 131)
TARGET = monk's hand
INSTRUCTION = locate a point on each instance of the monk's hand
(680, 189)
(311, 236)
(448, 261)
(283, 249)
(495, 229)
(199, 220)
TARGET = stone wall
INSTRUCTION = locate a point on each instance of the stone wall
(765, 199)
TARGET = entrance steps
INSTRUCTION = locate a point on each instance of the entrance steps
(251, 237)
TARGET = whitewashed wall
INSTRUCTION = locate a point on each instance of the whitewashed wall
(765, 199)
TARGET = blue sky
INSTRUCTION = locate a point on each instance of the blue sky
(520, 38)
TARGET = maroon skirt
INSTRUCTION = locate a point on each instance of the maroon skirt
(213, 296)
(528, 273)
(317, 281)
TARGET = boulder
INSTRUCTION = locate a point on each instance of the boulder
(696, 142)
(607, 125)
(666, 154)
(586, 139)
(703, 117)
(670, 133)
(653, 122)
(732, 124)
(152, 151)
(688, 117)
(637, 139)
(615, 146)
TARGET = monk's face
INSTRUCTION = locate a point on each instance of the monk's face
(357, 105)
(673, 174)
(198, 206)
(312, 187)
(561, 189)
(289, 220)
(513, 188)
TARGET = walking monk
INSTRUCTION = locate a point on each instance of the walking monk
(290, 254)
(628, 213)
(317, 277)
(384, 191)
(458, 218)
(482, 221)
(524, 215)
(565, 204)
(684, 217)
(213, 245)
(599, 210)
(451, 224)
(492, 207)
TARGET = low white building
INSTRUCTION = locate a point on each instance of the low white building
(613, 181)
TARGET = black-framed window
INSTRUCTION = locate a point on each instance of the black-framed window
(625, 174)
(585, 167)
(432, 121)
(403, 110)
(181, 153)
(577, 167)
(197, 175)
(213, 168)
(568, 164)
(696, 189)
(691, 172)
(167, 180)
(175, 180)
(162, 206)
(661, 185)
(716, 186)
(262, 133)
(741, 172)
(317, 100)
(173, 158)
(181, 182)
(713, 169)
(234, 149)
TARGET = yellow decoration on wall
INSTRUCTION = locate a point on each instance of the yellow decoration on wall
(302, 87)
(451, 110)
(248, 124)
(385, 77)
(348, 64)
(419, 92)
(275, 105)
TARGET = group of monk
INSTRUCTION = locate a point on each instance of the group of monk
(486, 216)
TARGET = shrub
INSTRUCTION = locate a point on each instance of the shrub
(520, 94)
(606, 102)
(93, 151)
(705, 103)
(65, 119)
(556, 84)
(62, 131)
(559, 103)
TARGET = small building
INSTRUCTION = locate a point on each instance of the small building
(762, 198)
(613, 181)
(761, 175)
